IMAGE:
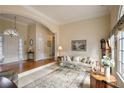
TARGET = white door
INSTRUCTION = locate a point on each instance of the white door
(11, 50)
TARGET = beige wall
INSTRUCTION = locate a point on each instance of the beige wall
(40, 36)
(32, 35)
(91, 30)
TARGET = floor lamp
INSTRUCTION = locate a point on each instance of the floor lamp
(59, 49)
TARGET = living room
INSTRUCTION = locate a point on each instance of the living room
(68, 33)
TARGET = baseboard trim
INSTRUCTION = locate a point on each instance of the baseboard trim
(44, 59)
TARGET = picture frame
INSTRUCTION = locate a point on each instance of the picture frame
(78, 45)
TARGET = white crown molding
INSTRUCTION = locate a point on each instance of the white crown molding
(33, 10)
(41, 14)
(86, 18)
(8, 19)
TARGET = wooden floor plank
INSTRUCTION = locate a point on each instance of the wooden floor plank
(22, 66)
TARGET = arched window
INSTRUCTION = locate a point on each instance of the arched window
(121, 11)
(1, 45)
(20, 49)
(120, 47)
(1, 49)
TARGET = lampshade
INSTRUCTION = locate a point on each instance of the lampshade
(107, 45)
(60, 48)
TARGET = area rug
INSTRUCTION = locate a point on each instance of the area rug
(62, 78)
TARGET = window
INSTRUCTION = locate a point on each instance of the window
(112, 44)
(120, 47)
(121, 12)
(20, 49)
(120, 65)
(1, 46)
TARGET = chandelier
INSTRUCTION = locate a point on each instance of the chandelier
(12, 31)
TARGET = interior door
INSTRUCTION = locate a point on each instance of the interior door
(11, 51)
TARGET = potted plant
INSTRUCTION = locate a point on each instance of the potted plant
(107, 63)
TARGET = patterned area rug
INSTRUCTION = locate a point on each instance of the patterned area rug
(62, 78)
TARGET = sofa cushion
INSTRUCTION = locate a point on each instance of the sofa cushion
(83, 59)
(88, 61)
(77, 62)
(77, 59)
(68, 58)
(63, 59)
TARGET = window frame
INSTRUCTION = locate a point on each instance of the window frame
(120, 55)
(119, 12)
(20, 49)
(117, 53)
(1, 45)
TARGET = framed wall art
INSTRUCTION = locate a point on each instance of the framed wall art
(78, 45)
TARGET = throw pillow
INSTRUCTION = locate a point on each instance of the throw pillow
(64, 58)
(76, 59)
(88, 61)
(72, 58)
(83, 60)
(68, 58)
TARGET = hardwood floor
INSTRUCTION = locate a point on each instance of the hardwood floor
(23, 66)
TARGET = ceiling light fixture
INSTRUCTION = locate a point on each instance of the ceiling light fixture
(12, 31)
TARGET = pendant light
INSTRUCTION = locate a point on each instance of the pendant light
(12, 31)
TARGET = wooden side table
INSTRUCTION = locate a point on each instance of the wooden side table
(100, 81)
(9, 73)
(30, 55)
(59, 58)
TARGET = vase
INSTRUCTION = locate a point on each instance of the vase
(107, 71)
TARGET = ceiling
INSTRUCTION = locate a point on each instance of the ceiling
(19, 19)
(63, 14)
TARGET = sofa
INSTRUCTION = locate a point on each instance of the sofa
(77, 63)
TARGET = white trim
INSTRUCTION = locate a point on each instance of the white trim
(33, 70)
(67, 22)
(118, 74)
(8, 19)
(11, 62)
(119, 12)
(40, 14)
(37, 59)
(86, 18)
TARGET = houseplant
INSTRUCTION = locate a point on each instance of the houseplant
(107, 63)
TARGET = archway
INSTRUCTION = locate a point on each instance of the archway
(29, 12)
(32, 14)
(22, 36)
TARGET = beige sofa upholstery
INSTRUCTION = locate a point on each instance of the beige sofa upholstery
(77, 62)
